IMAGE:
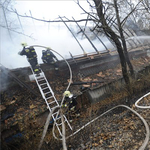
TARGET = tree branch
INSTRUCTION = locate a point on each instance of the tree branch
(123, 21)
(17, 32)
(43, 20)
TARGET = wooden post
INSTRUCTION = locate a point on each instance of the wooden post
(101, 41)
(73, 35)
(87, 37)
(72, 57)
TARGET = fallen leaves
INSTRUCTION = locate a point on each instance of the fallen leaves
(120, 131)
(11, 102)
(95, 144)
(86, 79)
(20, 110)
(100, 74)
(2, 107)
(32, 106)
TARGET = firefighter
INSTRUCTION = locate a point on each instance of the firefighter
(31, 56)
(70, 103)
(49, 58)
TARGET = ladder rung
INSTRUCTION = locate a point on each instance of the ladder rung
(55, 113)
(41, 79)
(57, 118)
(54, 116)
(47, 93)
(52, 103)
(65, 119)
(49, 97)
(60, 123)
(45, 88)
(43, 84)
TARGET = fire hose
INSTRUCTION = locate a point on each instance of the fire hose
(142, 147)
(142, 107)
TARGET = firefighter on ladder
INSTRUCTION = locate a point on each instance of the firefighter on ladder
(31, 56)
(70, 103)
(49, 58)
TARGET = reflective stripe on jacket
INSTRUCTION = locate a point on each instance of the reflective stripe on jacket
(29, 52)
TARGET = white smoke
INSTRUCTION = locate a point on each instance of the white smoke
(54, 35)
(57, 37)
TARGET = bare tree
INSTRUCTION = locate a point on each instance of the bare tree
(113, 36)
(105, 12)
(105, 20)
(142, 15)
(123, 38)
(8, 22)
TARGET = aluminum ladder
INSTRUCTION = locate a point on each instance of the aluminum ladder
(50, 99)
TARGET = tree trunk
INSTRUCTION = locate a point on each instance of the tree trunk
(111, 34)
(123, 40)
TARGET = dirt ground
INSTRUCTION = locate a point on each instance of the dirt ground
(20, 108)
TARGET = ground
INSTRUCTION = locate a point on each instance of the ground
(117, 131)
(122, 130)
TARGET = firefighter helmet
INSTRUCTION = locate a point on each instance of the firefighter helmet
(24, 44)
(67, 93)
(48, 48)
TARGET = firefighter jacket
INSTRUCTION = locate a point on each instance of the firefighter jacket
(48, 56)
(70, 103)
(29, 52)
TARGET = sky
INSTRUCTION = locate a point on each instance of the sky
(54, 35)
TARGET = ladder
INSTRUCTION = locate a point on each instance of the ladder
(50, 99)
